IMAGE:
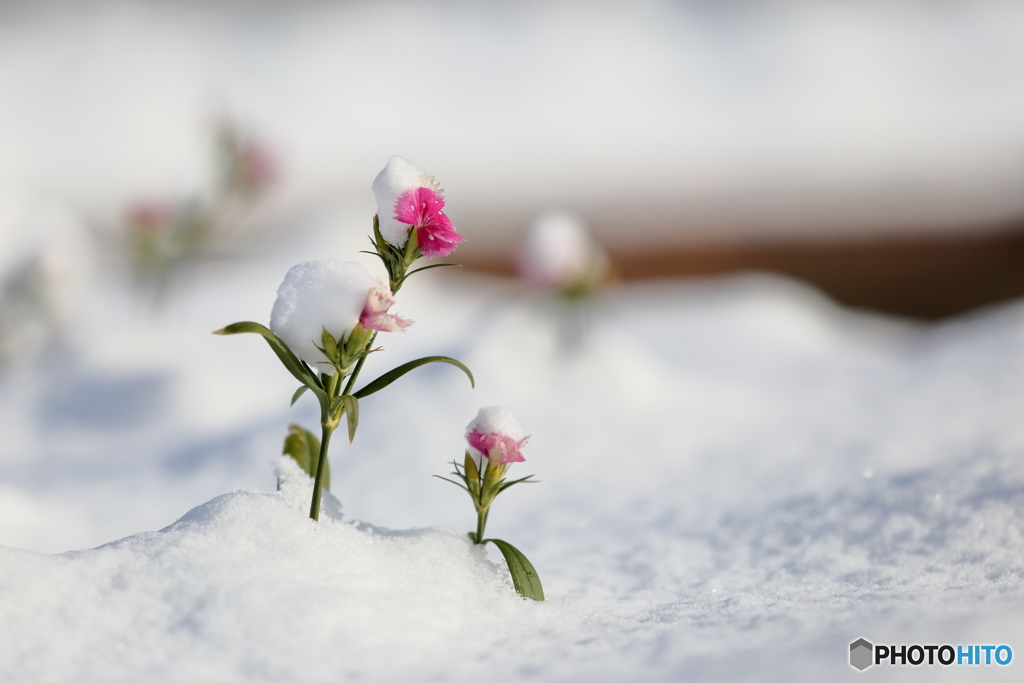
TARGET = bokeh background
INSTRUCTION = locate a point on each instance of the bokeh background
(874, 149)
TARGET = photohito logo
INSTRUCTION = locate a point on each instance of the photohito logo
(863, 654)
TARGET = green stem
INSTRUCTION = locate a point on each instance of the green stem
(359, 366)
(314, 507)
(332, 384)
(481, 522)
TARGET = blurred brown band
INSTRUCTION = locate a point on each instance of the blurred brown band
(922, 276)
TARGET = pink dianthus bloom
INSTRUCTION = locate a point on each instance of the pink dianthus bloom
(375, 314)
(421, 208)
(496, 434)
(408, 199)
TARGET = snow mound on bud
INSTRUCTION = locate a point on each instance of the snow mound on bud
(497, 420)
(320, 294)
(398, 176)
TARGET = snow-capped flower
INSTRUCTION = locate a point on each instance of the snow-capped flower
(332, 295)
(375, 314)
(495, 434)
(407, 199)
(558, 251)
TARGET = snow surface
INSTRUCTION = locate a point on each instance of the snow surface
(738, 480)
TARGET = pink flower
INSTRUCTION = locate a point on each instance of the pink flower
(407, 199)
(375, 314)
(495, 433)
(421, 208)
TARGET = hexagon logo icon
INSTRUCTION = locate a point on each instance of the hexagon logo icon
(861, 652)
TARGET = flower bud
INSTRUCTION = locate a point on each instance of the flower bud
(495, 434)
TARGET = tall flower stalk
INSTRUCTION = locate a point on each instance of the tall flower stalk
(328, 313)
(495, 442)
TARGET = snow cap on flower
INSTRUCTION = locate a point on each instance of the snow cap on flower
(330, 294)
(496, 434)
(407, 199)
(558, 251)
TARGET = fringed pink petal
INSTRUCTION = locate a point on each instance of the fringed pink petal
(386, 322)
(422, 207)
(499, 449)
(418, 206)
(480, 441)
(438, 237)
(375, 314)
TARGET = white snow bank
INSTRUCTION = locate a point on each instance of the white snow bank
(246, 587)
(739, 479)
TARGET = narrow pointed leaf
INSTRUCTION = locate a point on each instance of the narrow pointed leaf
(435, 265)
(330, 347)
(451, 482)
(389, 377)
(516, 481)
(284, 354)
(335, 404)
(352, 411)
(471, 470)
(299, 392)
(524, 576)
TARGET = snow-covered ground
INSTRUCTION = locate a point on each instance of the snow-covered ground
(738, 480)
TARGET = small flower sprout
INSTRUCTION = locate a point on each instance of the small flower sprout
(496, 441)
(164, 235)
(410, 220)
(559, 253)
(322, 327)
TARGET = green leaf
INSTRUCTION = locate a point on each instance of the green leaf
(389, 377)
(438, 476)
(281, 350)
(298, 392)
(352, 411)
(524, 576)
(516, 481)
(436, 265)
(471, 469)
(330, 347)
(304, 448)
